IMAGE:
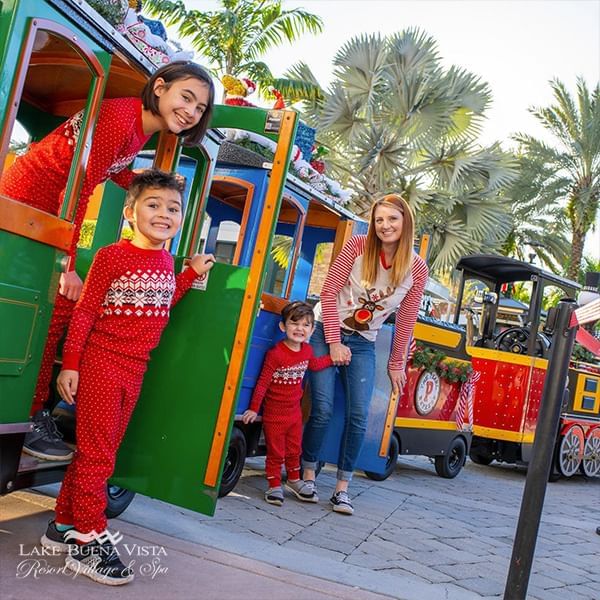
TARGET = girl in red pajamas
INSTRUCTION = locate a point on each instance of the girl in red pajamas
(118, 320)
(177, 98)
(280, 386)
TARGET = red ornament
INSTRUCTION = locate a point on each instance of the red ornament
(318, 165)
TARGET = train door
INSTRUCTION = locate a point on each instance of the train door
(35, 97)
(177, 440)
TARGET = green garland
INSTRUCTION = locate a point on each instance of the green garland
(435, 361)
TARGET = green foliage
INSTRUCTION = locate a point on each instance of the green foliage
(435, 361)
(267, 154)
(234, 38)
(581, 354)
(282, 250)
(395, 120)
(86, 235)
(538, 222)
(571, 165)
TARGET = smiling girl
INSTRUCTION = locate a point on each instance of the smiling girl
(178, 98)
(373, 276)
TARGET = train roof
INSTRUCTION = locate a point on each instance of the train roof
(239, 156)
(504, 270)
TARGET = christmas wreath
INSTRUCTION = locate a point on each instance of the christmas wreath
(436, 361)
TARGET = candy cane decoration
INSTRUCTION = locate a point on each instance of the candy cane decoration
(465, 401)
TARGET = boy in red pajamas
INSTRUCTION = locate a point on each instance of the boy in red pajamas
(118, 320)
(280, 385)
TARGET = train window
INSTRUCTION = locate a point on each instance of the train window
(320, 268)
(588, 403)
(228, 235)
(281, 260)
(591, 385)
(52, 85)
(228, 205)
(88, 227)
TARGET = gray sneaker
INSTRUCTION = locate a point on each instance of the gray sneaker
(45, 441)
(340, 502)
(54, 539)
(274, 496)
(303, 490)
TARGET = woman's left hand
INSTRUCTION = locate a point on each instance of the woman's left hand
(398, 379)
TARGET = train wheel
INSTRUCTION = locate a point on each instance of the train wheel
(570, 451)
(390, 465)
(480, 458)
(234, 463)
(118, 499)
(590, 464)
(449, 465)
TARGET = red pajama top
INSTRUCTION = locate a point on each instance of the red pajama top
(39, 177)
(347, 304)
(125, 304)
(280, 381)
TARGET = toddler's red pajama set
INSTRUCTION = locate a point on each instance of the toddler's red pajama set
(280, 386)
(118, 320)
(39, 178)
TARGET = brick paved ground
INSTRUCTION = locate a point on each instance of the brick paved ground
(413, 529)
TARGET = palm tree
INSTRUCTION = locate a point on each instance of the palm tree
(538, 223)
(573, 163)
(235, 38)
(395, 120)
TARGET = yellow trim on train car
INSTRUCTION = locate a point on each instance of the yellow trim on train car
(507, 357)
(248, 310)
(388, 425)
(503, 434)
(580, 392)
(425, 423)
(436, 335)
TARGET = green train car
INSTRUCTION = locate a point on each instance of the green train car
(58, 57)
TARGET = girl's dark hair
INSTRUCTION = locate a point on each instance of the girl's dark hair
(153, 179)
(297, 310)
(172, 72)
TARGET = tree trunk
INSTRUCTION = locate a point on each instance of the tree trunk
(577, 242)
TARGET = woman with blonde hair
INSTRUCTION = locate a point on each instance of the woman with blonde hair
(373, 276)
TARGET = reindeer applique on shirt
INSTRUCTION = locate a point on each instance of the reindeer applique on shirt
(361, 317)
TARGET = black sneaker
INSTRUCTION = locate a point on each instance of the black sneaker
(54, 539)
(340, 502)
(45, 441)
(99, 562)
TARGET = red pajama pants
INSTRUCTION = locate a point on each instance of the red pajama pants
(109, 387)
(283, 434)
(63, 311)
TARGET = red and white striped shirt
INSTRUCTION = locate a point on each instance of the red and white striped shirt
(347, 304)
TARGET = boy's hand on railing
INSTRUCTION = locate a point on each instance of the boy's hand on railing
(70, 285)
(249, 417)
(67, 384)
(202, 263)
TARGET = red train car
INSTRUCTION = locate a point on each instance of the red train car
(475, 387)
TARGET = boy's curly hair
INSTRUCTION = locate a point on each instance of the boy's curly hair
(297, 310)
(153, 179)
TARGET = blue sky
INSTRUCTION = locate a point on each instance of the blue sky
(516, 46)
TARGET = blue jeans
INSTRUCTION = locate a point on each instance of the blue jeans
(358, 379)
